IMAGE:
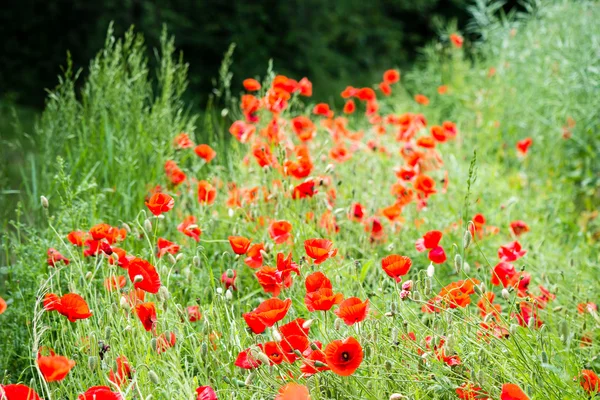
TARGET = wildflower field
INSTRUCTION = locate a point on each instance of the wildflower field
(434, 235)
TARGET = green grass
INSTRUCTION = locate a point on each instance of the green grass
(114, 137)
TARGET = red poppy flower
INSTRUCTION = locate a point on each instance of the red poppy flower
(3, 305)
(189, 228)
(205, 393)
(146, 312)
(518, 227)
(245, 359)
(323, 109)
(54, 368)
(424, 185)
(205, 152)
(165, 246)
(442, 89)
(430, 240)
(77, 238)
(251, 85)
(174, 173)
(143, 275)
(511, 252)
(165, 341)
(267, 314)
(229, 279)
(344, 356)
(468, 391)
(160, 203)
(385, 88)
(503, 273)
(457, 40)
(422, 99)
(194, 313)
(314, 361)
(304, 128)
(315, 281)
(71, 305)
(589, 381)
(366, 94)
(391, 76)
(123, 374)
(100, 393)
(18, 392)
(353, 310)
(54, 256)
(270, 281)
(239, 244)
(523, 146)
(305, 87)
(293, 391)
(254, 258)
(322, 299)
(349, 107)
(206, 193)
(396, 266)
(242, 131)
(319, 249)
(510, 391)
(294, 328)
(280, 231)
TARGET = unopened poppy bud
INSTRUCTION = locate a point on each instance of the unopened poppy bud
(397, 396)
(467, 238)
(230, 212)
(531, 323)
(153, 377)
(388, 314)
(388, 365)
(430, 270)
(228, 295)
(92, 363)
(405, 294)
(196, 261)
(557, 309)
(505, 294)
(457, 263)
(88, 275)
(307, 323)
(544, 357)
(250, 378)
(163, 294)
(564, 330)
(408, 285)
(138, 279)
(219, 290)
(395, 335)
(126, 227)
(149, 397)
(338, 324)
(230, 273)
(297, 352)
(203, 349)
(187, 273)
(427, 288)
(107, 333)
(153, 343)
(262, 357)
(320, 364)
(276, 335)
(124, 303)
(179, 257)
(44, 201)
(416, 296)
(264, 254)
(148, 225)
(466, 267)
(329, 168)
(394, 306)
(172, 259)
(314, 346)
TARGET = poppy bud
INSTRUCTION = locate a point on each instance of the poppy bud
(320, 364)
(262, 357)
(230, 212)
(338, 323)
(153, 377)
(148, 225)
(408, 285)
(126, 227)
(329, 168)
(179, 257)
(466, 267)
(298, 352)
(92, 363)
(88, 275)
(230, 273)
(250, 378)
(138, 279)
(153, 343)
(163, 294)
(187, 273)
(416, 296)
(427, 289)
(394, 305)
(149, 397)
(263, 254)
(203, 349)
(564, 330)
(276, 335)
(505, 294)
(172, 259)
(467, 238)
(388, 365)
(44, 201)
(107, 333)
(544, 357)
(430, 270)
(228, 295)
(196, 261)
(314, 347)
(219, 290)
(124, 303)
(457, 263)
(405, 294)
(307, 323)
(388, 314)
(397, 396)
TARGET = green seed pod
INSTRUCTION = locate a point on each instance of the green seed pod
(92, 363)
(314, 346)
(153, 377)
(388, 365)
(320, 364)
(427, 289)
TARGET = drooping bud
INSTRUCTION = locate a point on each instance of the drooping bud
(467, 238)
(276, 335)
(338, 323)
(126, 227)
(430, 270)
(457, 263)
(148, 225)
(153, 377)
(203, 349)
(92, 363)
(307, 323)
(179, 257)
(138, 279)
(388, 365)
(228, 295)
(88, 275)
(107, 333)
(124, 303)
(153, 343)
(196, 261)
(44, 201)
(250, 378)
(466, 267)
(505, 294)
(395, 335)
(172, 259)
(320, 364)
(163, 294)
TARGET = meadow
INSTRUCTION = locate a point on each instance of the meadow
(432, 236)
